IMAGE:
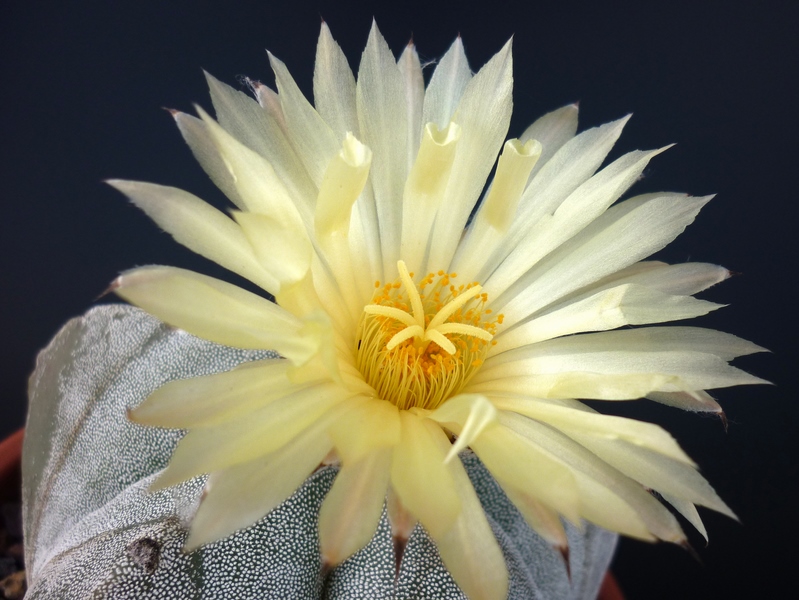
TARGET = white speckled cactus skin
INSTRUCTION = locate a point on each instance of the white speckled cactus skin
(92, 529)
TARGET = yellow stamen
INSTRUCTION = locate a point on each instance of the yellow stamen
(419, 350)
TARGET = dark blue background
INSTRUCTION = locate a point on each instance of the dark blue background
(82, 88)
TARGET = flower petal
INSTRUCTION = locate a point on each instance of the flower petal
(467, 415)
(420, 478)
(552, 131)
(654, 470)
(519, 465)
(247, 437)
(468, 548)
(334, 86)
(610, 499)
(413, 83)
(202, 401)
(609, 309)
(370, 425)
(257, 183)
(216, 311)
(312, 139)
(449, 81)
(383, 118)
(195, 133)
(483, 114)
(351, 511)
(623, 235)
(240, 496)
(198, 226)
(639, 434)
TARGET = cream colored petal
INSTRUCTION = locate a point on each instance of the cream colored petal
(638, 434)
(517, 464)
(351, 511)
(610, 499)
(687, 510)
(242, 439)
(579, 209)
(694, 401)
(313, 139)
(570, 167)
(334, 86)
(256, 128)
(611, 375)
(284, 252)
(343, 184)
(198, 226)
(683, 279)
(413, 83)
(370, 425)
(238, 497)
(196, 135)
(420, 478)
(544, 521)
(609, 309)
(202, 401)
(383, 118)
(257, 183)
(447, 84)
(216, 311)
(515, 164)
(424, 192)
(654, 470)
(483, 115)
(552, 131)
(468, 548)
(466, 415)
(623, 235)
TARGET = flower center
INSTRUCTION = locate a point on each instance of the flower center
(418, 346)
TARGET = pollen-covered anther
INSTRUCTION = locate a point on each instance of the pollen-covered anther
(419, 344)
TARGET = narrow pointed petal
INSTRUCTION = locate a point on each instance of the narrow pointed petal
(247, 437)
(623, 235)
(612, 495)
(257, 183)
(216, 311)
(202, 401)
(334, 86)
(312, 139)
(413, 83)
(241, 495)
(552, 131)
(655, 471)
(351, 511)
(256, 128)
(483, 115)
(198, 226)
(627, 304)
(636, 433)
(694, 401)
(420, 478)
(687, 510)
(573, 215)
(383, 119)
(195, 133)
(449, 81)
(468, 548)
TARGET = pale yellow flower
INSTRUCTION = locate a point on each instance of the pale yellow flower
(407, 340)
